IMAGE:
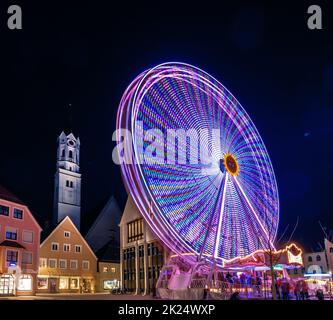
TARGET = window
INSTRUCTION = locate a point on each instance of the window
(135, 230)
(63, 153)
(73, 264)
(11, 234)
(67, 247)
(27, 257)
(63, 283)
(52, 263)
(70, 154)
(62, 263)
(105, 269)
(78, 248)
(310, 259)
(18, 213)
(74, 283)
(85, 265)
(295, 271)
(27, 236)
(42, 262)
(42, 283)
(12, 256)
(54, 246)
(4, 210)
(331, 250)
(67, 234)
(69, 184)
(318, 258)
(113, 270)
(25, 282)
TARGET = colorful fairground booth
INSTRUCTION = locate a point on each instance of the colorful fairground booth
(250, 276)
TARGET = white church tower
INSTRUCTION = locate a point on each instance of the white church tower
(67, 191)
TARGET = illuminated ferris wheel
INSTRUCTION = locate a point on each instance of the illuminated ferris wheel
(222, 205)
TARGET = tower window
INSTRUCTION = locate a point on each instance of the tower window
(318, 258)
(310, 259)
(63, 153)
(70, 154)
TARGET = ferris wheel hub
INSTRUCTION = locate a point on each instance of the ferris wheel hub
(231, 164)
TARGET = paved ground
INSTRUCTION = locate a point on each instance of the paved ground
(85, 296)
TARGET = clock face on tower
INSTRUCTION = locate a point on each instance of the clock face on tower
(71, 142)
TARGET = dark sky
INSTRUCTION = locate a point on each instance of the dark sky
(86, 54)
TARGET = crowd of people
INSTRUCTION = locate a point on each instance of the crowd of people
(253, 284)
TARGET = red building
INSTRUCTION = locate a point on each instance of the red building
(19, 246)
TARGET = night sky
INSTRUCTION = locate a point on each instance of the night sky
(86, 55)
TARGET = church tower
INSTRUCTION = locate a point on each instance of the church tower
(67, 187)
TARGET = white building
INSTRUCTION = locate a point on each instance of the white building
(67, 191)
(142, 255)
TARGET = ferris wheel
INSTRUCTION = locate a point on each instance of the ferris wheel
(219, 206)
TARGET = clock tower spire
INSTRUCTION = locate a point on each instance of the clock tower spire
(67, 186)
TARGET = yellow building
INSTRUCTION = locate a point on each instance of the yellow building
(67, 263)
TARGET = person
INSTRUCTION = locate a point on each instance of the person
(285, 287)
(242, 280)
(297, 290)
(258, 285)
(229, 277)
(304, 291)
(320, 294)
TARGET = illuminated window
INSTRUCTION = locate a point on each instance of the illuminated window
(73, 264)
(105, 269)
(85, 265)
(11, 234)
(18, 213)
(12, 256)
(54, 246)
(135, 230)
(63, 283)
(27, 236)
(74, 283)
(67, 247)
(62, 263)
(42, 283)
(4, 210)
(27, 257)
(318, 258)
(42, 262)
(25, 283)
(52, 263)
(67, 234)
(113, 270)
(78, 248)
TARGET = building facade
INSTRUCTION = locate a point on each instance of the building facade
(108, 276)
(315, 263)
(19, 246)
(142, 255)
(66, 263)
(67, 185)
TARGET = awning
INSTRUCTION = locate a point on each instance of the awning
(12, 244)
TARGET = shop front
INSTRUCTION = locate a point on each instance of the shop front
(64, 284)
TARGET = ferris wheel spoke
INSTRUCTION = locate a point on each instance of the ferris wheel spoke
(254, 213)
(218, 230)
